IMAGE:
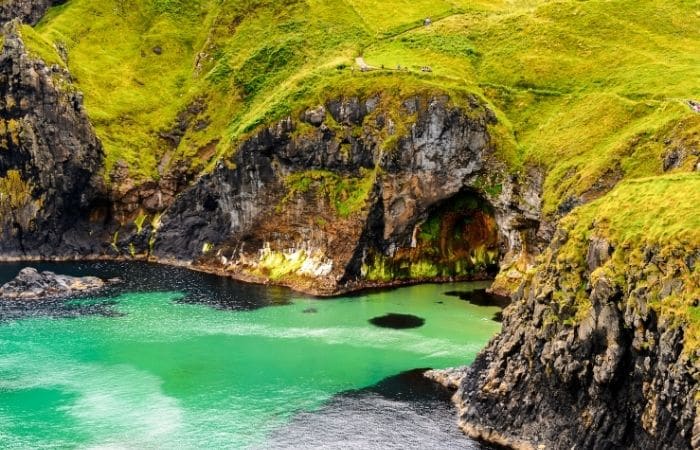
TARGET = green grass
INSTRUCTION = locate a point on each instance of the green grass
(39, 47)
(657, 214)
(347, 195)
(591, 91)
(392, 14)
(573, 83)
(646, 211)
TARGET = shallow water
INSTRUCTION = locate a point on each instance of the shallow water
(177, 359)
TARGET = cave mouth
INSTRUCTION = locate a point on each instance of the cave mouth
(456, 238)
(461, 228)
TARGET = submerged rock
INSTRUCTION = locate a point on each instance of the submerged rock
(30, 284)
(397, 321)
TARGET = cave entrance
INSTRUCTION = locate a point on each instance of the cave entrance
(456, 238)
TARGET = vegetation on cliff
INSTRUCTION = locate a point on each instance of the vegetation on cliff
(327, 145)
(651, 229)
(594, 92)
(587, 87)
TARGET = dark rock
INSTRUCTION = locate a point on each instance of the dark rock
(27, 11)
(599, 252)
(315, 116)
(244, 206)
(32, 285)
(616, 378)
(568, 204)
(673, 158)
(48, 146)
(449, 378)
(481, 297)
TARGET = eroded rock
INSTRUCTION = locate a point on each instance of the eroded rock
(449, 378)
(31, 284)
(51, 164)
(597, 371)
(328, 209)
(28, 11)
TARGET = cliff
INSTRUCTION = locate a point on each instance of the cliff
(599, 347)
(51, 159)
(358, 192)
(27, 11)
(240, 138)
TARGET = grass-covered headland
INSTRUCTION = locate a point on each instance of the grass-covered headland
(595, 92)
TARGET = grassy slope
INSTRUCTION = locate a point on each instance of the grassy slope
(592, 91)
(577, 82)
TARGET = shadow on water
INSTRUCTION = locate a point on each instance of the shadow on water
(402, 411)
(196, 287)
(397, 321)
(480, 297)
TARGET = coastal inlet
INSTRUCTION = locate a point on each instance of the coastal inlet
(171, 358)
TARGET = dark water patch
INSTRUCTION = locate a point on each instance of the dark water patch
(409, 386)
(310, 311)
(398, 321)
(197, 288)
(403, 411)
(56, 308)
(480, 297)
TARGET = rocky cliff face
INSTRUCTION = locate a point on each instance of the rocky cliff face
(587, 359)
(355, 192)
(351, 193)
(50, 159)
(27, 11)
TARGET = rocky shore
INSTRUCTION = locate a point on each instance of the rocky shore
(448, 378)
(30, 284)
(600, 368)
(366, 191)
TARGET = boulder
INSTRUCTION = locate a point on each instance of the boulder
(30, 284)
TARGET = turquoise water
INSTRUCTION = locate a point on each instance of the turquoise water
(167, 369)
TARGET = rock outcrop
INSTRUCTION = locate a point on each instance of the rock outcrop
(28, 11)
(449, 378)
(33, 285)
(51, 164)
(358, 191)
(587, 359)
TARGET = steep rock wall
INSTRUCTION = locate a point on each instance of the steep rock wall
(587, 359)
(323, 202)
(27, 11)
(50, 159)
(352, 193)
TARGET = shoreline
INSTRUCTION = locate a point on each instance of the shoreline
(449, 378)
(353, 289)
